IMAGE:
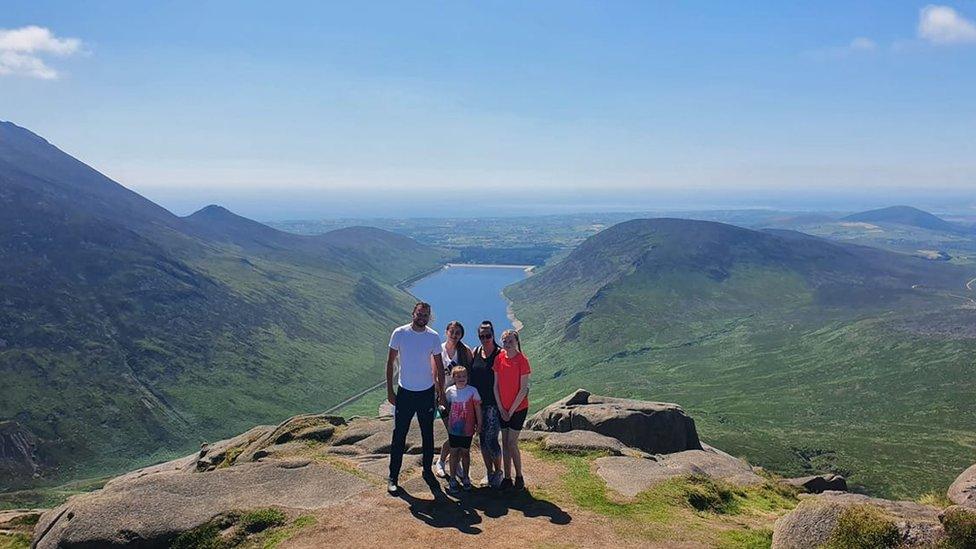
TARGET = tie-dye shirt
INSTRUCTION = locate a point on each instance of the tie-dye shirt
(461, 420)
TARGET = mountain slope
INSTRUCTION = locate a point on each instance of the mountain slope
(128, 333)
(906, 215)
(800, 353)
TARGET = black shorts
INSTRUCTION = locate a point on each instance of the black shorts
(515, 422)
(457, 441)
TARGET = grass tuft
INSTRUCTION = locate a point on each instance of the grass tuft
(259, 520)
(864, 527)
(746, 539)
(960, 528)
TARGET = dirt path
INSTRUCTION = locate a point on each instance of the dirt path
(422, 517)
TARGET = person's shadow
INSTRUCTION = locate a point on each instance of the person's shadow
(462, 511)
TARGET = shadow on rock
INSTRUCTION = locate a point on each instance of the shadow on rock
(464, 512)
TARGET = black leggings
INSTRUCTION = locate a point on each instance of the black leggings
(409, 403)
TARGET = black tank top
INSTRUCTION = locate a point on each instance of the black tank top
(482, 377)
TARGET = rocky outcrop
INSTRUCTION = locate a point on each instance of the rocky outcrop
(654, 427)
(818, 484)
(580, 442)
(963, 489)
(18, 451)
(833, 516)
(152, 509)
(631, 476)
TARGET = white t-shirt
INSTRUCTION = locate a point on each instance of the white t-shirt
(446, 359)
(415, 350)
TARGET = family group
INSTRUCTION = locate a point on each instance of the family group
(481, 392)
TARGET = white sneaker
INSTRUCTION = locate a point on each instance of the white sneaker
(439, 469)
(391, 486)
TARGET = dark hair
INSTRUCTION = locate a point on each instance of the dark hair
(422, 305)
(490, 326)
(462, 350)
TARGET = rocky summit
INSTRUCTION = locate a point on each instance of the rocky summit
(319, 480)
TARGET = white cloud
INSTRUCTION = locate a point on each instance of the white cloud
(944, 25)
(21, 51)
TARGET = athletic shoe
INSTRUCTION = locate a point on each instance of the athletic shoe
(453, 487)
(496, 479)
(391, 486)
(506, 484)
(439, 469)
(519, 483)
(466, 484)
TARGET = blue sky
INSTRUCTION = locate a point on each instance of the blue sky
(306, 109)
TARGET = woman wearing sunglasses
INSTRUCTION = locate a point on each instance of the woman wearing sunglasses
(482, 377)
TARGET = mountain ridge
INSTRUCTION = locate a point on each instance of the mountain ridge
(121, 321)
(765, 335)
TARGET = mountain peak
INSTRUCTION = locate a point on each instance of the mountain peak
(905, 215)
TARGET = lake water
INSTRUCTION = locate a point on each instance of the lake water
(469, 295)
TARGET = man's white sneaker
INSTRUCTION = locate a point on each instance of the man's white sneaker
(439, 469)
(391, 486)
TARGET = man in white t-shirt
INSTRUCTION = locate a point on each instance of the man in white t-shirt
(420, 388)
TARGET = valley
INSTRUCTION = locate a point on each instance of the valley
(131, 335)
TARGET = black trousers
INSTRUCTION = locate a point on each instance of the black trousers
(409, 403)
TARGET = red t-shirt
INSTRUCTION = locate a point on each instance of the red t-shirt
(509, 372)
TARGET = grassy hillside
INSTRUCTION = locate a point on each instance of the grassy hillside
(128, 334)
(801, 354)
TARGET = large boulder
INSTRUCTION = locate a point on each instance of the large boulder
(820, 519)
(654, 427)
(963, 489)
(818, 484)
(150, 510)
(632, 475)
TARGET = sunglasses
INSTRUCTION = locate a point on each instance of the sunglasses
(485, 336)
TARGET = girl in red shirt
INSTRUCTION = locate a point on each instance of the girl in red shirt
(512, 374)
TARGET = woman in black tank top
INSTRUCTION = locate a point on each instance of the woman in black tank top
(482, 377)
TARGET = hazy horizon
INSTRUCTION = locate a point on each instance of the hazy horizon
(319, 110)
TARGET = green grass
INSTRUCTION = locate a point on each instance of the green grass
(746, 539)
(960, 528)
(702, 506)
(14, 541)
(864, 527)
(257, 528)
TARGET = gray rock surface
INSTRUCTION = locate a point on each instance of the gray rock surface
(631, 475)
(581, 442)
(963, 489)
(813, 521)
(654, 427)
(818, 484)
(152, 509)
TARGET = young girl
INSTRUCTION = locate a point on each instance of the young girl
(512, 374)
(463, 422)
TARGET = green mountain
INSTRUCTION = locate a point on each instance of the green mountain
(906, 215)
(799, 353)
(128, 334)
